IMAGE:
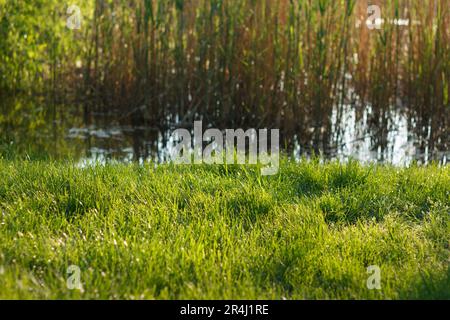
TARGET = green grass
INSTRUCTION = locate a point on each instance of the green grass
(223, 232)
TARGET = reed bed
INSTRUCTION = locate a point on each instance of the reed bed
(237, 63)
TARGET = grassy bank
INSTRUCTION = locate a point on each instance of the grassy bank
(217, 232)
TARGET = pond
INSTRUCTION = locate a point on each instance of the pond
(354, 133)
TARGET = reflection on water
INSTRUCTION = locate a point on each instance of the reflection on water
(352, 138)
(394, 136)
(400, 148)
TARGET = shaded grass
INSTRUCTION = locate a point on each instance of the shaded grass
(215, 232)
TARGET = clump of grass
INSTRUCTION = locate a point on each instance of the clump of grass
(199, 232)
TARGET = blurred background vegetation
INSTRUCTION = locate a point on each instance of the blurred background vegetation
(137, 69)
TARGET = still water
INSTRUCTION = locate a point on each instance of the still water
(354, 133)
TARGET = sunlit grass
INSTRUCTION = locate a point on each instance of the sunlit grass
(216, 232)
